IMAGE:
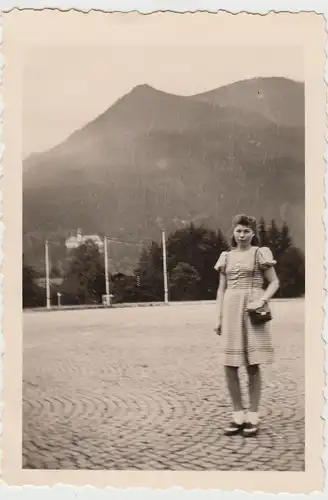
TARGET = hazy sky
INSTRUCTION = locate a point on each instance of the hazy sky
(66, 87)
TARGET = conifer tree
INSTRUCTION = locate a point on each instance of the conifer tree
(274, 238)
(263, 233)
(285, 238)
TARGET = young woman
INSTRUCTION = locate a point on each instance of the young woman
(242, 271)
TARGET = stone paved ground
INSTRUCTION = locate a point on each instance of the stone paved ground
(143, 388)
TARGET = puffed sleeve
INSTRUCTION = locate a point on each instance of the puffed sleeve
(265, 258)
(220, 265)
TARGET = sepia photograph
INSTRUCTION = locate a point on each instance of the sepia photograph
(134, 208)
(164, 254)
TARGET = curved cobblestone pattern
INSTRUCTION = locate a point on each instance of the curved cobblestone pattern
(144, 388)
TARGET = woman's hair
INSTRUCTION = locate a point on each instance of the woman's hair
(248, 221)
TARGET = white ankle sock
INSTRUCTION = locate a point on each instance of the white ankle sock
(238, 417)
(253, 417)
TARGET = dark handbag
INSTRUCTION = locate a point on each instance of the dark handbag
(263, 314)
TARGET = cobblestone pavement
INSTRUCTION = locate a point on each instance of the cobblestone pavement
(143, 388)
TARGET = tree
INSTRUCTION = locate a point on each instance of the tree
(292, 273)
(55, 272)
(184, 282)
(263, 233)
(200, 248)
(85, 278)
(285, 239)
(124, 288)
(149, 274)
(274, 238)
(279, 240)
(32, 294)
(197, 246)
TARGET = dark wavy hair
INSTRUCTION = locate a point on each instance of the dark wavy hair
(248, 221)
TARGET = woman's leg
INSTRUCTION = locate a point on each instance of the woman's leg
(233, 384)
(254, 387)
(238, 416)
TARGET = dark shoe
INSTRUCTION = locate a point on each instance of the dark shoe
(250, 430)
(233, 429)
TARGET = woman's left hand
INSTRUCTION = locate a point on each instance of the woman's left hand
(257, 304)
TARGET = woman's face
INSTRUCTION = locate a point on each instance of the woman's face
(243, 235)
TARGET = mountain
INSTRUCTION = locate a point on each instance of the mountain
(154, 158)
(277, 99)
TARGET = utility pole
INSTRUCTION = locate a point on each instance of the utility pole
(166, 293)
(47, 274)
(106, 270)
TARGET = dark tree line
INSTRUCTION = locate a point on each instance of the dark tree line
(290, 259)
(31, 291)
(191, 255)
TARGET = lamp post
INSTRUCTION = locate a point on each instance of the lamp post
(48, 298)
(166, 292)
(106, 271)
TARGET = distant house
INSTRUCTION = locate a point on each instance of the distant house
(75, 241)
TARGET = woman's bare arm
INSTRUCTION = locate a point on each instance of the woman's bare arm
(220, 295)
(272, 288)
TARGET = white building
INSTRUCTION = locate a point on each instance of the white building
(79, 239)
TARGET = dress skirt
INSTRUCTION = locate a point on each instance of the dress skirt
(244, 343)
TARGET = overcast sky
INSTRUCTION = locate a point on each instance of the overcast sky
(66, 87)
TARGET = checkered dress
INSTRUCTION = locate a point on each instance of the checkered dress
(243, 342)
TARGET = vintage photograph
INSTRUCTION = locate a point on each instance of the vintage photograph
(138, 194)
(170, 251)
